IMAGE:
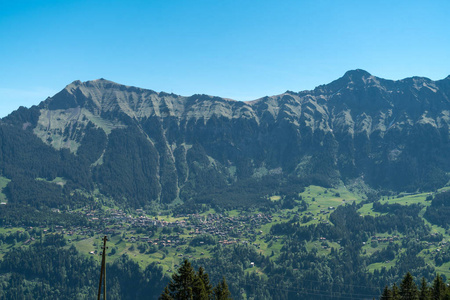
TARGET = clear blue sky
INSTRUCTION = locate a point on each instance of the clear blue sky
(235, 49)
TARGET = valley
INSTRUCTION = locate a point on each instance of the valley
(167, 238)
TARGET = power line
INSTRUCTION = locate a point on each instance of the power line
(313, 292)
(333, 283)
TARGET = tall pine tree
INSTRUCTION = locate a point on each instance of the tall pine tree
(424, 292)
(186, 284)
(202, 287)
(387, 294)
(221, 291)
(438, 289)
(408, 288)
(395, 293)
(181, 287)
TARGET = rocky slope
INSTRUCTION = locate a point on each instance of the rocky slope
(140, 145)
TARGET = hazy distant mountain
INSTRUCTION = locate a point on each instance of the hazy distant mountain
(138, 145)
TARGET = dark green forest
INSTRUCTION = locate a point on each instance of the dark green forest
(409, 289)
(53, 270)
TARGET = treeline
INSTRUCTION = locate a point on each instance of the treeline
(188, 284)
(300, 273)
(48, 270)
(23, 154)
(297, 274)
(133, 170)
(253, 192)
(352, 229)
(408, 290)
(30, 165)
(439, 210)
(22, 216)
(436, 213)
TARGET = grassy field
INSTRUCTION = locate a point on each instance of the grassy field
(444, 269)
(322, 201)
(408, 199)
(58, 180)
(402, 199)
(275, 198)
(380, 265)
(3, 183)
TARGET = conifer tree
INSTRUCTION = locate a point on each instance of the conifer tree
(166, 294)
(395, 293)
(438, 289)
(186, 284)
(424, 292)
(408, 288)
(221, 291)
(202, 287)
(387, 294)
(181, 287)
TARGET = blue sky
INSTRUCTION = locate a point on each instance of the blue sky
(235, 49)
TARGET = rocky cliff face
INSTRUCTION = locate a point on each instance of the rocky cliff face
(144, 145)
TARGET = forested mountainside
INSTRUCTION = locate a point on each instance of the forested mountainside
(273, 194)
(138, 146)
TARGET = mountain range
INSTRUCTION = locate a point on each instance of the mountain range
(139, 146)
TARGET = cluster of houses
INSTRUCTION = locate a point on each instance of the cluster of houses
(387, 239)
(225, 229)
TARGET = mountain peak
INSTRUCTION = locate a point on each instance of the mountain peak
(101, 82)
(356, 74)
(356, 77)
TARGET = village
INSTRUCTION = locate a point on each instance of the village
(163, 233)
(190, 235)
(196, 229)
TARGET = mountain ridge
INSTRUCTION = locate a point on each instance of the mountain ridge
(392, 134)
(91, 89)
(349, 74)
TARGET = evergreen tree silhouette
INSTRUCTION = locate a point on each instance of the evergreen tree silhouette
(408, 288)
(387, 294)
(221, 291)
(186, 284)
(424, 292)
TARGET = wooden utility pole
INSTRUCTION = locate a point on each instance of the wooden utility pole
(103, 271)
